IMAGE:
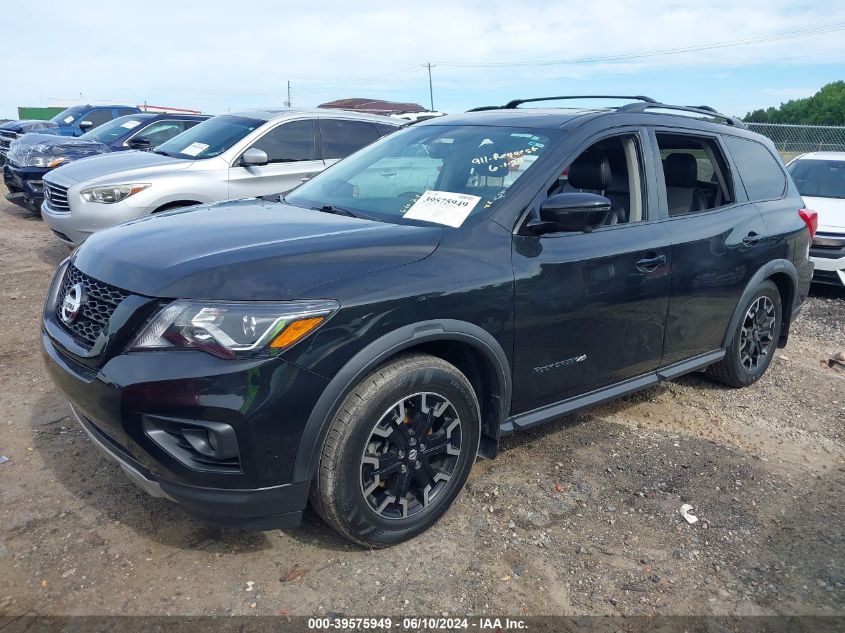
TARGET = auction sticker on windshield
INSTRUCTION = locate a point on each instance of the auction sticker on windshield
(194, 148)
(130, 125)
(442, 207)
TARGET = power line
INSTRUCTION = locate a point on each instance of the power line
(656, 53)
(359, 80)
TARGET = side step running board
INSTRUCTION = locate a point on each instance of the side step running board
(551, 412)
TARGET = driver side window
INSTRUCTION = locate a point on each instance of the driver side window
(161, 131)
(288, 142)
(98, 117)
(612, 168)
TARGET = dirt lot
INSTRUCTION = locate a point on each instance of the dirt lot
(578, 517)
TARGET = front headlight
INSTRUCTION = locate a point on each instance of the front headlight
(46, 161)
(112, 193)
(234, 329)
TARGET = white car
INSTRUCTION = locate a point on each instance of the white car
(820, 178)
(230, 156)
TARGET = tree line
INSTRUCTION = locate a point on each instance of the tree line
(826, 107)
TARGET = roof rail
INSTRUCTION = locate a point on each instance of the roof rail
(641, 104)
(642, 107)
(518, 102)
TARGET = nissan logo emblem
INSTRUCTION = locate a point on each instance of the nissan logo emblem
(72, 303)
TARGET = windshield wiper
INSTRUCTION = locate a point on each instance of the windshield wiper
(158, 151)
(327, 208)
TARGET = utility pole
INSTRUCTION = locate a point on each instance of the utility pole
(429, 65)
(287, 103)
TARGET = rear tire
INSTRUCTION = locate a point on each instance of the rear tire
(754, 340)
(398, 452)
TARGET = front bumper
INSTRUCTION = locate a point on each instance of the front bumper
(244, 509)
(25, 185)
(111, 403)
(124, 400)
(829, 262)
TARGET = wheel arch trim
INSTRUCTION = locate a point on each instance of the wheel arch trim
(770, 269)
(367, 359)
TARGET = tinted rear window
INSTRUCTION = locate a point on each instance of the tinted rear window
(759, 171)
(341, 137)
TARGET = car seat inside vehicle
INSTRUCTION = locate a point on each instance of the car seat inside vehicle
(683, 195)
(695, 174)
(609, 168)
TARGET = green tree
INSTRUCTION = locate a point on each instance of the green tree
(826, 107)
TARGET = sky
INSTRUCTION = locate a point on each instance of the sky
(218, 56)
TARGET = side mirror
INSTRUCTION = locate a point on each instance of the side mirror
(85, 125)
(571, 212)
(140, 143)
(254, 156)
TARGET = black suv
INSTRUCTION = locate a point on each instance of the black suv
(358, 342)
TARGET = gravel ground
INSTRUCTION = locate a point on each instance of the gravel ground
(577, 517)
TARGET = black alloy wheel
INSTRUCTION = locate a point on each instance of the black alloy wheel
(398, 451)
(411, 455)
(754, 341)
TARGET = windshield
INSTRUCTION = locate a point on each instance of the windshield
(209, 138)
(819, 178)
(432, 174)
(117, 128)
(68, 116)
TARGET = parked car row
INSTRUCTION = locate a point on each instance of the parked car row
(356, 343)
(74, 121)
(32, 155)
(238, 155)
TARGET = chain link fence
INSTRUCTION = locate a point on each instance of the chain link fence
(792, 140)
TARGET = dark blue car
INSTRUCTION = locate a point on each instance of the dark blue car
(74, 121)
(34, 154)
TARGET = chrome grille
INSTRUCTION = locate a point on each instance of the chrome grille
(99, 303)
(6, 139)
(56, 196)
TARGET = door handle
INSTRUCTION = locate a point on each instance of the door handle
(387, 174)
(650, 264)
(752, 239)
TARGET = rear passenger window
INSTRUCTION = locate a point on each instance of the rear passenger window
(695, 174)
(384, 130)
(289, 142)
(341, 138)
(761, 173)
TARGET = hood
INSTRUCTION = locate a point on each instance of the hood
(35, 144)
(247, 250)
(27, 125)
(831, 213)
(123, 166)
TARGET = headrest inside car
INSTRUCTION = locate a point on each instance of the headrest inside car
(681, 170)
(591, 170)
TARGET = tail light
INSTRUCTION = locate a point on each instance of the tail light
(811, 219)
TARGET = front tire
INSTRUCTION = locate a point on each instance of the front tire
(398, 451)
(754, 341)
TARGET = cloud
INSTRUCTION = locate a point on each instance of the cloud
(215, 55)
